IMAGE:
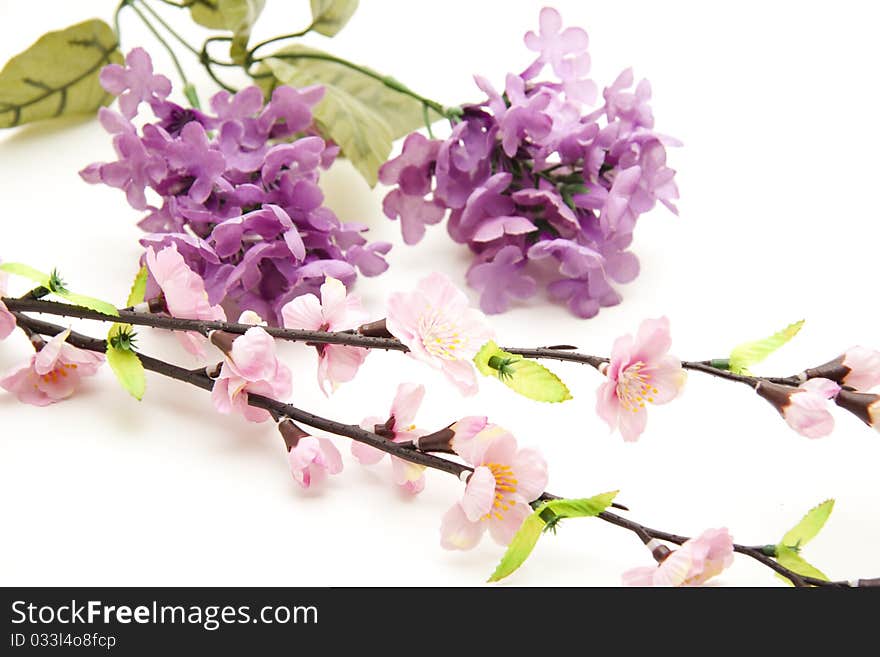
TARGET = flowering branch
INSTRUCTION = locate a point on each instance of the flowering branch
(280, 411)
(374, 341)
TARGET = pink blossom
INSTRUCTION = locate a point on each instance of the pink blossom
(640, 372)
(135, 82)
(858, 368)
(804, 408)
(53, 373)
(184, 293)
(694, 563)
(7, 319)
(440, 328)
(251, 366)
(335, 311)
(399, 427)
(312, 459)
(505, 479)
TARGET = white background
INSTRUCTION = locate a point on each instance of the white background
(776, 103)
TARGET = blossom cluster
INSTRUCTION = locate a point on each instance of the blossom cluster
(236, 190)
(537, 188)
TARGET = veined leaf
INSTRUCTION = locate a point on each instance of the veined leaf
(330, 16)
(88, 302)
(520, 547)
(808, 527)
(796, 563)
(750, 353)
(126, 364)
(581, 508)
(138, 288)
(530, 531)
(26, 271)
(358, 112)
(526, 377)
(58, 75)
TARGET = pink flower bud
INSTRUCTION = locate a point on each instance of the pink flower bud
(858, 368)
(804, 408)
(864, 405)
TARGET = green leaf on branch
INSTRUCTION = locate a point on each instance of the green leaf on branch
(546, 516)
(58, 75)
(526, 377)
(795, 562)
(26, 271)
(88, 302)
(520, 547)
(236, 16)
(581, 508)
(124, 362)
(750, 353)
(809, 526)
(330, 16)
(138, 288)
(359, 112)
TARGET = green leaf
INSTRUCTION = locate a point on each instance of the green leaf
(89, 302)
(58, 75)
(526, 377)
(330, 16)
(795, 562)
(126, 364)
(750, 353)
(362, 114)
(26, 271)
(138, 288)
(236, 16)
(809, 526)
(520, 547)
(581, 508)
(547, 516)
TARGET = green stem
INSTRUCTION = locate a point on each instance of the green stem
(294, 35)
(164, 43)
(169, 29)
(391, 83)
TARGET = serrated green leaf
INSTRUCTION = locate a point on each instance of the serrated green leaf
(750, 353)
(26, 271)
(126, 365)
(138, 288)
(809, 526)
(520, 547)
(581, 508)
(796, 563)
(530, 531)
(526, 377)
(58, 75)
(330, 16)
(89, 302)
(358, 112)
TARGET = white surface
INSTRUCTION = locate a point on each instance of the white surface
(779, 221)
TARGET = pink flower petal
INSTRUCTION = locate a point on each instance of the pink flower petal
(479, 494)
(457, 532)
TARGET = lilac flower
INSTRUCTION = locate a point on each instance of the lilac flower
(533, 184)
(501, 279)
(239, 195)
(135, 82)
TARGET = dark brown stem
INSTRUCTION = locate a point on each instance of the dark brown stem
(368, 337)
(280, 410)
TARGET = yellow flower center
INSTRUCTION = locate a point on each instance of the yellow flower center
(505, 486)
(634, 388)
(58, 372)
(440, 337)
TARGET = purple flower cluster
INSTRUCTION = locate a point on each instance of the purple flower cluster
(536, 188)
(237, 190)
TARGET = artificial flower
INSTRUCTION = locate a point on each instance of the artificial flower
(857, 368)
(440, 328)
(53, 373)
(694, 563)
(334, 311)
(804, 408)
(504, 481)
(640, 372)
